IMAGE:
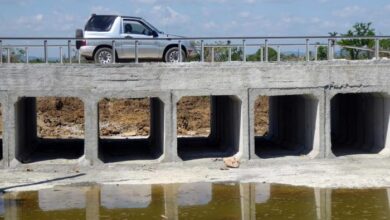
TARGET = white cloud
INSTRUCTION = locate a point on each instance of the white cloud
(167, 16)
(244, 14)
(103, 10)
(349, 11)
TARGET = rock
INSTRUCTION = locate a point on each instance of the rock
(231, 162)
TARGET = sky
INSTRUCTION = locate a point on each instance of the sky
(198, 18)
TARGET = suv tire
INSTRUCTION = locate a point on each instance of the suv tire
(172, 56)
(104, 56)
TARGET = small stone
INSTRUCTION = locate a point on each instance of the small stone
(231, 162)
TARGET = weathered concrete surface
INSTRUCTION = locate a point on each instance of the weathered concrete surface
(323, 173)
(232, 86)
(193, 76)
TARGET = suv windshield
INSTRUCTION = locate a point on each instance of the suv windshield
(100, 23)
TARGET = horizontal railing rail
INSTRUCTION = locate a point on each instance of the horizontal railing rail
(199, 43)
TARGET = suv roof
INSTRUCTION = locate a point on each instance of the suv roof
(123, 16)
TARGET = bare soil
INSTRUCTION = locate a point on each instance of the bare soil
(64, 117)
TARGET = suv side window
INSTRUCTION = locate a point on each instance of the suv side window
(100, 23)
(135, 27)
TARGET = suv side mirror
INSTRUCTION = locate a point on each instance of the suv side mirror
(154, 33)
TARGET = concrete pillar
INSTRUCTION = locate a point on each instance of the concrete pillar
(91, 143)
(4, 162)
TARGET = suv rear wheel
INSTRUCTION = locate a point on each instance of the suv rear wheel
(103, 56)
(172, 55)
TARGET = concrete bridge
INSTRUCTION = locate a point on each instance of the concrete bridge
(326, 109)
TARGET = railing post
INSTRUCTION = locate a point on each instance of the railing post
(230, 54)
(307, 51)
(136, 51)
(229, 51)
(202, 51)
(1, 52)
(61, 61)
(69, 52)
(45, 51)
(330, 57)
(212, 54)
(316, 52)
(8, 56)
(261, 54)
(179, 52)
(243, 51)
(266, 50)
(278, 53)
(27, 55)
(377, 46)
(113, 51)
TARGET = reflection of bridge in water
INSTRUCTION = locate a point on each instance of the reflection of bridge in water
(200, 201)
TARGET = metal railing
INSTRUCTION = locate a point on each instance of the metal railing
(201, 43)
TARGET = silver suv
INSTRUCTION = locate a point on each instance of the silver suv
(113, 26)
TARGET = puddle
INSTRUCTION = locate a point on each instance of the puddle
(196, 201)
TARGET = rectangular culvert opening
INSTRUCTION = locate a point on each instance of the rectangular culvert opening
(131, 129)
(285, 125)
(208, 127)
(1, 132)
(49, 128)
(359, 123)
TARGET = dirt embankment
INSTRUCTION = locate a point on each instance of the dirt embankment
(64, 117)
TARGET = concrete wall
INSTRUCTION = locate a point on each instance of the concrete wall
(303, 99)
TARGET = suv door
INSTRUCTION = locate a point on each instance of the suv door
(146, 48)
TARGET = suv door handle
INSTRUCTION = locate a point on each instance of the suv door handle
(128, 37)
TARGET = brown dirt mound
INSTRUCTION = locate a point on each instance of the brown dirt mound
(124, 117)
(261, 115)
(60, 117)
(64, 117)
(193, 116)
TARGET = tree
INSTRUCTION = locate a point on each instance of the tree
(361, 30)
(322, 53)
(272, 55)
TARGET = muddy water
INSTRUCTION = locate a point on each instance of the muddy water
(195, 201)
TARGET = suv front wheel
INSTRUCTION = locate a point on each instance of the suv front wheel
(103, 56)
(172, 55)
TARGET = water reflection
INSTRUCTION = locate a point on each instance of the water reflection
(195, 201)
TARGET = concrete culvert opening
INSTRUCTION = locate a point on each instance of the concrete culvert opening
(1, 133)
(208, 127)
(359, 123)
(49, 128)
(285, 125)
(131, 129)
